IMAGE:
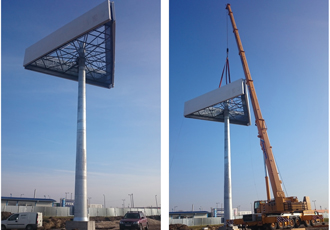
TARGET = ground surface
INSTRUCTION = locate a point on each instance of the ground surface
(153, 224)
(220, 227)
(104, 223)
(185, 227)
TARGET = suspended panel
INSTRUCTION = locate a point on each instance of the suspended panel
(210, 106)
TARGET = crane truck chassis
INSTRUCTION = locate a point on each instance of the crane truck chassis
(286, 220)
(281, 211)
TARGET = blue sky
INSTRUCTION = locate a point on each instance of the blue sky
(286, 46)
(39, 112)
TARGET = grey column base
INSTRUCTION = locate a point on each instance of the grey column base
(80, 225)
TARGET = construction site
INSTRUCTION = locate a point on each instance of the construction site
(105, 223)
(230, 104)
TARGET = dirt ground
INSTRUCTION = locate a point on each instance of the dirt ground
(114, 225)
(104, 223)
(178, 227)
(185, 227)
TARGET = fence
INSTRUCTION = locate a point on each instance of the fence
(197, 221)
(122, 211)
(46, 211)
(67, 211)
(208, 221)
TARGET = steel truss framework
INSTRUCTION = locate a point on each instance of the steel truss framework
(99, 54)
(238, 111)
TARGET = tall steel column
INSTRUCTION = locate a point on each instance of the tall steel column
(227, 182)
(80, 211)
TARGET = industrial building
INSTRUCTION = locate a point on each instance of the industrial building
(23, 201)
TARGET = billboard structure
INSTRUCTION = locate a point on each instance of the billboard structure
(228, 104)
(84, 51)
(57, 53)
(211, 106)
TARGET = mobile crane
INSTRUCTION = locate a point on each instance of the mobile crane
(281, 211)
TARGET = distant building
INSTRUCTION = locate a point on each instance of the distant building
(66, 202)
(23, 201)
(219, 212)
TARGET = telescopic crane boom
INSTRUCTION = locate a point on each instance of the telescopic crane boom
(280, 203)
(260, 122)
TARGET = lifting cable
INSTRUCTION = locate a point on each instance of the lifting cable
(226, 66)
(227, 70)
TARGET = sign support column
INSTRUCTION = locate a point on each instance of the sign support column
(227, 185)
(80, 211)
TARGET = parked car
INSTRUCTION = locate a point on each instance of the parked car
(23, 220)
(134, 220)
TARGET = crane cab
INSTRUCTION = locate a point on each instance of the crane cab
(259, 206)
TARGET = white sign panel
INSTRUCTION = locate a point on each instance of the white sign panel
(214, 97)
(94, 18)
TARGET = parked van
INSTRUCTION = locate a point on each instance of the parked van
(23, 220)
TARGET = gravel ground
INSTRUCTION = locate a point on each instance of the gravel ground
(104, 223)
(114, 225)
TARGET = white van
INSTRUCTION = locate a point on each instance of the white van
(23, 220)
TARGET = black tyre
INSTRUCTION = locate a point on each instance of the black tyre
(271, 226)
(313, 222)
(291, 223)
(297, 222)
(29, 227)
(280, 225)
(306, 223)
(3, 227)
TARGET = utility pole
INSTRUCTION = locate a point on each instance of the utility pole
(314, 204)
(131, 199)
(104, 200)
(89, 201)
(156, 201)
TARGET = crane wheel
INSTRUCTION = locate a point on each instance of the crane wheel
(291, 223)
(306, 223)
(297, 222)
(313, 222)
(271, 226)
(280, 225)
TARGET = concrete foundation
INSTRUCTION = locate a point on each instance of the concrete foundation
(80, 225)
